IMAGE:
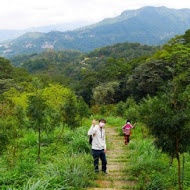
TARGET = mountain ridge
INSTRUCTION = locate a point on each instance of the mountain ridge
(10, 34)
(147, 25)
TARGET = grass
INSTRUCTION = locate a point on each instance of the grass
(65, 166)
(69, 165)
(148, 165)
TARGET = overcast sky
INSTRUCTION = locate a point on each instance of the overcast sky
(22, 14)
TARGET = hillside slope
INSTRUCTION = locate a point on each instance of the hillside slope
(148, 25)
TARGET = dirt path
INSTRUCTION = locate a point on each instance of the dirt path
(117, 163)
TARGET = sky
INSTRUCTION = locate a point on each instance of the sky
(22, 14)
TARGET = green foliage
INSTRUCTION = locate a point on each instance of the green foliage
(83, 108)
(77, 141)
(148, 78)
(186, 37)
(6, 69)
(69, 111)
(167, 116)
(52, 62)
(36, 111)
(4, 140)
(149, 166)
(104, 93)
(127, 51)
(107, 77)
(128, 109)
(66, 167)
(37, 116)
(10, 76)
(167, 123)
(6, 75)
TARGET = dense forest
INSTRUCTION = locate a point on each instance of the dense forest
(47, 102)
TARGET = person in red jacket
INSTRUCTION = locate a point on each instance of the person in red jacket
(127, 130)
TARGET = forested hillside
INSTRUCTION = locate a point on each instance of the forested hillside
(63, 62)
(147, 25)
(82, 72)
(44, 117)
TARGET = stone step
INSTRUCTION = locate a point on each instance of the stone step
(112, 184)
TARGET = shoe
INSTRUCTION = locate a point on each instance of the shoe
(105, 172)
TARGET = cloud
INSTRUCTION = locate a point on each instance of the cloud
(19, 14)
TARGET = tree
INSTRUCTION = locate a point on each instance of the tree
(6, 70)
(83, 109)
(167, 116)
(62, 106)
(4, 140)
(69, 110)
(148, 78)
(37, 116)
(6, 84)
(105, 93)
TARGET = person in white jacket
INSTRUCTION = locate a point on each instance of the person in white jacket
(98, 144)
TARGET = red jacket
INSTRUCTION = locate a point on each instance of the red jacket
(127, 129)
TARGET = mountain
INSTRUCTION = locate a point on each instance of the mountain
(147, 25)
(12, 34)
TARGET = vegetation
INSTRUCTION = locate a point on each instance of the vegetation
(42, 117)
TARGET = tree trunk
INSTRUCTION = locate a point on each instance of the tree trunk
(60, 135)
(178, 160)
(14, 147)
(39, 138)
(14, 154)
(171, 160)
(183, 170)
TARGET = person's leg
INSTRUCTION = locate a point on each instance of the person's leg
(126, 140)
(104, 160)
(95, 154)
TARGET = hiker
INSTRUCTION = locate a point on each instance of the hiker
(127, 130)
(98, 144)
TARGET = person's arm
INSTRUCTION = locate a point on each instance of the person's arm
(105, 148)
(91, 130)
(123, 128)
(134, 125)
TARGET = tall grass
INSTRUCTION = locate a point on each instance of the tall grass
(68, 165)
(146, 164)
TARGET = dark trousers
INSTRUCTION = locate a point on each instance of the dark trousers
(127, 139)
(96, 155)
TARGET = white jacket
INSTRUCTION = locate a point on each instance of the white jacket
(99, 137)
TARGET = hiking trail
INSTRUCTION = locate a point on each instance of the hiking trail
(117, 177)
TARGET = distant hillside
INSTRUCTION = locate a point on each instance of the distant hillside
(71, 63)
(12, 34)
(148, 25)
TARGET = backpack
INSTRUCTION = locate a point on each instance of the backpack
(90, 139)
